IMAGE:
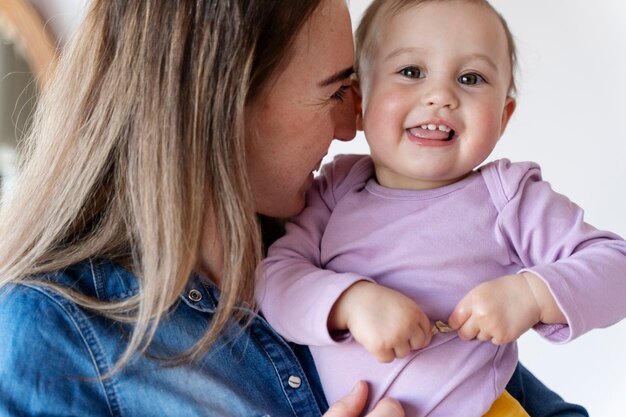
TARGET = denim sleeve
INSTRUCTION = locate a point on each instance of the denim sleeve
(46, 364)
(537, 399)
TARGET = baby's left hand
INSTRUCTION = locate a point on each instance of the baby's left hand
(499, 311)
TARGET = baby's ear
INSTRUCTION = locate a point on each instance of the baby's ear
(358, 101)
(507, 112)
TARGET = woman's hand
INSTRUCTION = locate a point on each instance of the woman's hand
(352, 405)
(386, 322)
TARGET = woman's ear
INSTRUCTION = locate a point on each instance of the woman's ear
(358, 103)
(507, 112)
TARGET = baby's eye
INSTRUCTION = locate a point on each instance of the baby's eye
(471, 79)
(412, 72)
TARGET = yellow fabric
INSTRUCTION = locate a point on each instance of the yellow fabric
(506, 406)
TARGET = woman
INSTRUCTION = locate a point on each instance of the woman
(168, 127)
(135, 191)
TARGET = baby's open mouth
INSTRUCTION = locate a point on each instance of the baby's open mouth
(433, 132)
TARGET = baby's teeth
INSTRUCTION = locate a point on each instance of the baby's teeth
(443, 128)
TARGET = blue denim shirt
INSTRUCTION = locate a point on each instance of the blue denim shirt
(53, 352)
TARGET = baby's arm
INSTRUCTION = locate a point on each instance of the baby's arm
(568, 267)
(294, 290)
(386, 322)
(305, 302)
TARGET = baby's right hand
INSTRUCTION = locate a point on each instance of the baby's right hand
(386, 322)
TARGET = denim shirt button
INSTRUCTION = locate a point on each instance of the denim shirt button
(294, 381)
(195, 295)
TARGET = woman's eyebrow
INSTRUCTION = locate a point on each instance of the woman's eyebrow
(337, 77)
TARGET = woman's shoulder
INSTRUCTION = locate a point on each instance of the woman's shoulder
(41, 300)
(49, 340)
(37, 301)
(38, 316)
(101, 279)
(49, 357)
(35, 319)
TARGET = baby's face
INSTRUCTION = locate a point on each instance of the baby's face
(435, 93)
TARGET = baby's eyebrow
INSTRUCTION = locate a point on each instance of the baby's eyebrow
(483, 57)
(337, 77)
(471, 56)
(401, 51)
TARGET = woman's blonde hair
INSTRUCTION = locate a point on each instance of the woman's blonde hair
(138, 138)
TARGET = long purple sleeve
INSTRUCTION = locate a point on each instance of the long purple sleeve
(584, 268)
(293, 285)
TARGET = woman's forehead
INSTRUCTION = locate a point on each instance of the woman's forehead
(324, 46)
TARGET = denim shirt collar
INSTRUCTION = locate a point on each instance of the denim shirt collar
(200, 293)
(110, 282)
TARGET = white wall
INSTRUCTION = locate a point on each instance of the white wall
(571, 103)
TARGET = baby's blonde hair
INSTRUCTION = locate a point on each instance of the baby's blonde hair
(380, 11)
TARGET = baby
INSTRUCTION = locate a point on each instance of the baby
(420, 232)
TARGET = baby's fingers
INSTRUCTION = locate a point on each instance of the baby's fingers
(419, 341)
(469, 330)
(426, 333)
(461, 319)
(402, 349)
(381, 351)
(461, 314)
(384, 357)
(422, 337)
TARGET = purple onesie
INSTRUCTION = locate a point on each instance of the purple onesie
(434, 246)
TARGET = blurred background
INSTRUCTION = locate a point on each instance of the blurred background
(30, 34)
(571, 101)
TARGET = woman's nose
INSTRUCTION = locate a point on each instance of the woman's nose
(344, 118)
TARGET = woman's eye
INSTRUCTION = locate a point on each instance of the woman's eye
(340, 94)
(471, 79)
(412, 72)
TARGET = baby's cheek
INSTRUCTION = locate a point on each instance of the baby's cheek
(382, 118)
(490, 122)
